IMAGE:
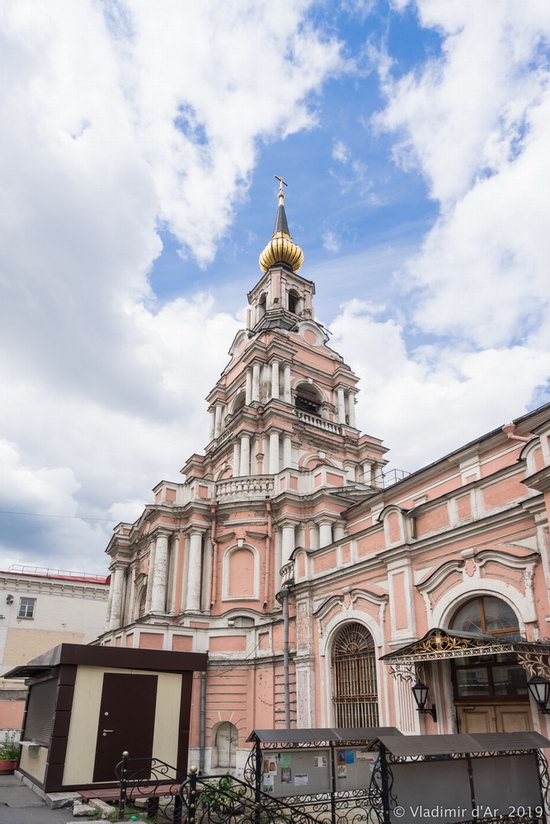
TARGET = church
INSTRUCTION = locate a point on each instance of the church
(325, 590)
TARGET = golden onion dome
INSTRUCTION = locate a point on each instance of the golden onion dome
(281, 249)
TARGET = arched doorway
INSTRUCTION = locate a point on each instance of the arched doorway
(225, 745)
(490, 691)
(353, 663)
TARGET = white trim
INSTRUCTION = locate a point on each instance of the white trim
(451, 600)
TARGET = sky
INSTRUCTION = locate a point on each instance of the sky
(138, 145)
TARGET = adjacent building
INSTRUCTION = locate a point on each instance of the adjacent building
(321, 586)
(40, 608)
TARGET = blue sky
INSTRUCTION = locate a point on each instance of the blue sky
(137, 156)
(376, 205)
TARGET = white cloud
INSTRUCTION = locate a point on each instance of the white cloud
(433, 400)
(118, 118)
(340, 152)
(331, 241)
(476, 122)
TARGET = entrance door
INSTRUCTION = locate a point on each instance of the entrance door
(494, 718)
(126, 721)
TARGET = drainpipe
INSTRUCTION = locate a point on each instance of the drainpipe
(267, 586)
(509, 430)
(202, 723)
(284, 596)
(213, 539)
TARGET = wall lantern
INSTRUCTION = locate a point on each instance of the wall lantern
(420, 692)
(540, 690)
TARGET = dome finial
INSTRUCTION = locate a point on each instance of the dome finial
(281, 249)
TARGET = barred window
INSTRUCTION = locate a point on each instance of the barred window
(26, 607)
(354, 692)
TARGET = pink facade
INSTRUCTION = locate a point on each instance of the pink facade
(290, 498)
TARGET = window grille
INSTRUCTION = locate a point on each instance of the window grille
(355, 695)
(26, 607)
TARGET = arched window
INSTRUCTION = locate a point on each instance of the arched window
(262, 306)
(141, 602)
(225, 745)
(354, 692)
(239, 401)
(308, 399)
(293, 301)
(495, 677)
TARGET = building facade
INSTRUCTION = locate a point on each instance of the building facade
(291, 557)
(40, 608)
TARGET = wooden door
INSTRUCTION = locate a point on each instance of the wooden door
(513, 718)
(494, 718)
(477, 718)
(126, 721)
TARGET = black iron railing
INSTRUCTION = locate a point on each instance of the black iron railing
(228, 800)
(152, 783)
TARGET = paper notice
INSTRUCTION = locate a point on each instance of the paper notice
(301, 780)
(319, 761)
(286, 759)
(342, 771)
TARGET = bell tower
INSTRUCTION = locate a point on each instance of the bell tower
(286, 401)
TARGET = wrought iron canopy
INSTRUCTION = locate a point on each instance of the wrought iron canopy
(321, 734)
(439, 644)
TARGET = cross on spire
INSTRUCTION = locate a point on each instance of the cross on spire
(282, 182)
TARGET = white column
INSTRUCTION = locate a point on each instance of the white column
(339, 532)
(217, 420)
(325, 533)
(253, 456)
(287, 451)
(212, 424)
(313, 536)
(275, 379)
(248, 387)
(118, 597)
(378, 475)
(149, 593)
(367, 473)
(301, 536)
(287, 543)
(287, 394)
(341, 405)
(273, 452)
(256, 382)
(109, 605)
(195, 564)
(245, 454)
(278, 558)
(160, 574)
(236, 459)
(351, 407)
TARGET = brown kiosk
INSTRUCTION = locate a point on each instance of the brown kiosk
(86, 704)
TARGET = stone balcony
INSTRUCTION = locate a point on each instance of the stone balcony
(250, 487)
(319, 423)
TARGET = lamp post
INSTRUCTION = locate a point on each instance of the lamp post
(420, 692)
(540, 690)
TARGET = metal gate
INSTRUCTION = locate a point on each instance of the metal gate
(354, 678)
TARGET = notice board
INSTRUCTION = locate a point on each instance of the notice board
(295, 772)
(353, 767)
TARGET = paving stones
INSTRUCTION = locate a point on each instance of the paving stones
(83, 810)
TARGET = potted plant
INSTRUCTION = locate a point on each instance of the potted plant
(9, 753)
